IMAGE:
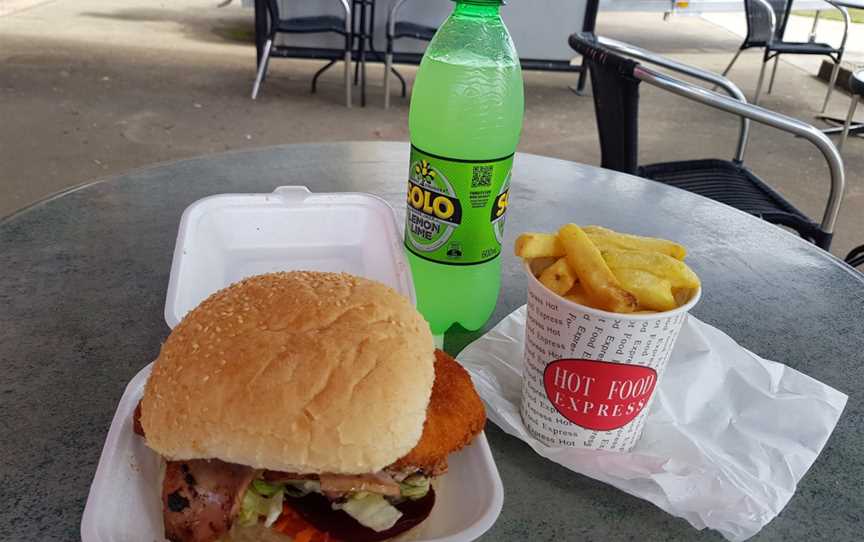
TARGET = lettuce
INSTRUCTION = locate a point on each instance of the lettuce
(414, 487)
(370, 510)
(261, 499)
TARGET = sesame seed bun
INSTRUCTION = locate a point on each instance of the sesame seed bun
(302, 372)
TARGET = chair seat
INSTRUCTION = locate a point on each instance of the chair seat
(802, 48)
(856, 83)
(734, 185)
(405, 29)
(309, 25)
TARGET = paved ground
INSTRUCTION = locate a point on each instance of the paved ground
(92, 88)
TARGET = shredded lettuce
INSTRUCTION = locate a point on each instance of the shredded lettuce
(414, 487)
(261, 499)
(266, 489)
(370, 510)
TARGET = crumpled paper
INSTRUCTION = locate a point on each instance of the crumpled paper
(727, 439)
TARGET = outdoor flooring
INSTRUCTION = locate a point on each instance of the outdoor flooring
(94, 88)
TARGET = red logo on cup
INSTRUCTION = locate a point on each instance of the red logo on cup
(598, 395)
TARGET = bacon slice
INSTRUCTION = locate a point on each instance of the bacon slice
(201, 498)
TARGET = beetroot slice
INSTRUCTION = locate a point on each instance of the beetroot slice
(316, 509)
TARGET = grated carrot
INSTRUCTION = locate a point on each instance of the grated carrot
(292, 523)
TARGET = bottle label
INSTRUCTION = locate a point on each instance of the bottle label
(456, 208)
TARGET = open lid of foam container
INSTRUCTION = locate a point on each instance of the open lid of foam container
(228, 237)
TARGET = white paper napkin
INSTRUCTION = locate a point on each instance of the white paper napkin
(728, 436)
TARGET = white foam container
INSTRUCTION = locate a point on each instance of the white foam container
(226, 238)
(223, 239)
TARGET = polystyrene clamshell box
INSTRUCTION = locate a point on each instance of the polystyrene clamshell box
(223, 239)
(228, 237)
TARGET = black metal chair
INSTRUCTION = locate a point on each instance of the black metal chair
(615, 82)
(856, 89)
(307, 25)
(397, 29)
(855, 257)
(766, 25)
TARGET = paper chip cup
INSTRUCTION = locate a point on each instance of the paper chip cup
(589, 375)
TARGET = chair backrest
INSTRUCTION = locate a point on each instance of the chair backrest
(759, 21)
(616, 104)
(622, 77)
(273, 9)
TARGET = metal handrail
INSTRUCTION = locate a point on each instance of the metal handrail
(692, 71)
(762, 116)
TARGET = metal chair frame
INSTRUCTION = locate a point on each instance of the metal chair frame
(274, 16)
(388, 55)
(736, 105)
(855, 258)
(776, 31)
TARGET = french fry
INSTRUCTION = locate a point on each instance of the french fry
(682, 295)
(605, 238)
(538, 265)
(652, 292)
(538, 245)
(577, 294)
(594, 275)
(667, 267)
(558, 277)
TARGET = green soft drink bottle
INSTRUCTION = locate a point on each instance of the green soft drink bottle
(465, 119)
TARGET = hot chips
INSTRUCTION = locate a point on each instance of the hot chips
(675, 271)
(538, 265)
(578, 295)
(653, 292)
(605, 238)
(594, 275)
(538, 245)
(558, 277)
(612, 271)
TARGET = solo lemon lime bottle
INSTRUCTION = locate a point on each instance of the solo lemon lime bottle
(465, 120)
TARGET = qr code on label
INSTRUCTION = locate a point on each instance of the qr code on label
(481, 176)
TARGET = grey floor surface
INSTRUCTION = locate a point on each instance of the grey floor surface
(93, 88)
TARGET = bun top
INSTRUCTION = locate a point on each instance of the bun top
(301, 372)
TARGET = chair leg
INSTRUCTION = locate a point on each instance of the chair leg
(773, 73)
(726, 71)
(732, 62)
(388, 65)
(262, 68)
(833, 80)
(401, 81)
(849, 116)
(315, 77)
(759, 83)
(348, 79)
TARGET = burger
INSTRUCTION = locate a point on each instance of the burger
(303, 406)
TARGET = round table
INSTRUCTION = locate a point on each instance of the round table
(83, 284)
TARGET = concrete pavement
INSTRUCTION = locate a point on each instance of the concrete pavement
(94, 88)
